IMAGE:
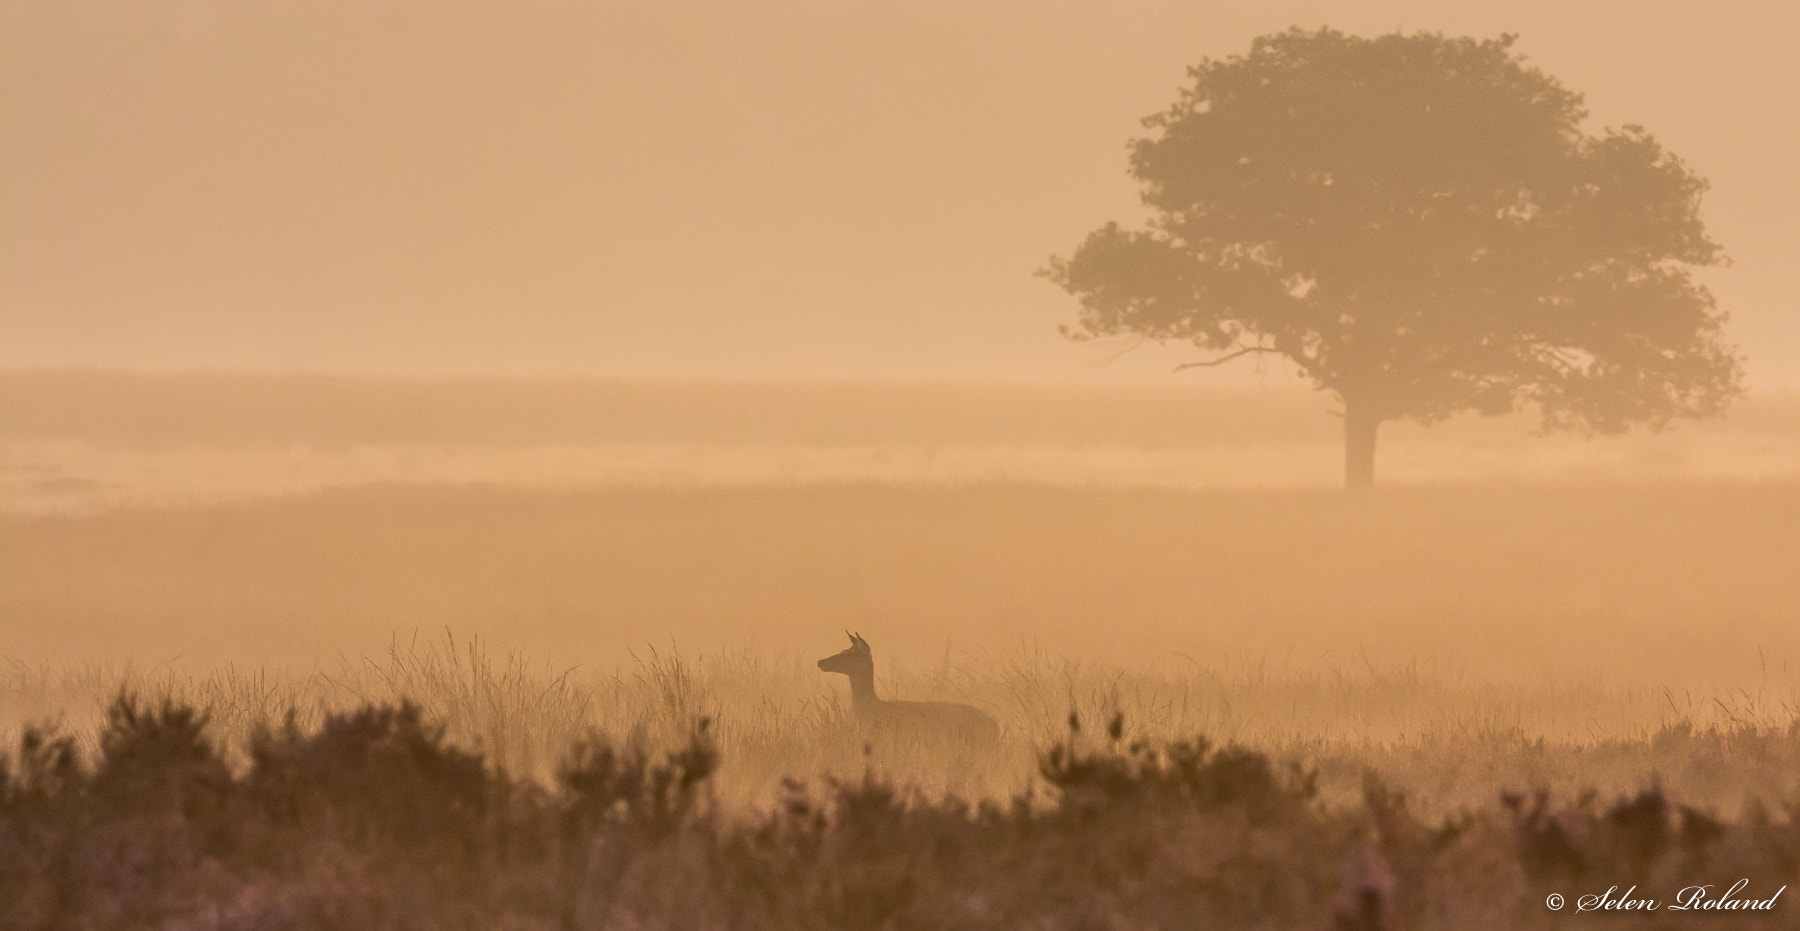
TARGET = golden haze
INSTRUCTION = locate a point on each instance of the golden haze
(664, 342)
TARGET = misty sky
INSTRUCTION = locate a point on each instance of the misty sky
(736, 189)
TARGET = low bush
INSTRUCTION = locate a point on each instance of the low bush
(372, 821)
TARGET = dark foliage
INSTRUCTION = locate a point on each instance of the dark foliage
(373, 822)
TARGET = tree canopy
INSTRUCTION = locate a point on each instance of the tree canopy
(1419, 225)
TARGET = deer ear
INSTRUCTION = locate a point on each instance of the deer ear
(857, 638)
(852, 637)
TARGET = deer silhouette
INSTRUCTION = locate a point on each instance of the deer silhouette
(928, 719)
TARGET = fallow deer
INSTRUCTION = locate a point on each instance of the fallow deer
(939, 720)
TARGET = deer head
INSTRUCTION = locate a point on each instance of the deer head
(854, 661)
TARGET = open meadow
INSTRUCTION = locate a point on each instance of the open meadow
(493, 555)
(1468, 623)
(1448, 641)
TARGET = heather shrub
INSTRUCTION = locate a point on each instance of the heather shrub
(633, 823)
(371, 820)
(379, 776)
(140, 836)
(41, 794)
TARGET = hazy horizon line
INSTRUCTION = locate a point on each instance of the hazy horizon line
(1257, 384)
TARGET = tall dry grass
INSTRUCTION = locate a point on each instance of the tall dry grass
(1465, 634)
(1450, 744)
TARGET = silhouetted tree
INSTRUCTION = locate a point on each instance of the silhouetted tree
(1421, 227)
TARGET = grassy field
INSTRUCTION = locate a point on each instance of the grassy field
(1436, 633)
(544, 568)
(1676, 584)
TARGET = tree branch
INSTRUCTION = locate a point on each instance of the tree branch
(1243, 351)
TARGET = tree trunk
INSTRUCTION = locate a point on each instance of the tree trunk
(1359, 445)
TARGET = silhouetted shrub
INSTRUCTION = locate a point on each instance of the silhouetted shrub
(371, 821)
(1187, 772)
(630, 819)
(158, 762)
(378, 775)
(140, 837)
(608, 785)
(42, 793)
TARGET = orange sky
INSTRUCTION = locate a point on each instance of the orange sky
(722, 189)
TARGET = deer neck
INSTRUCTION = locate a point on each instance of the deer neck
(862, 693)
